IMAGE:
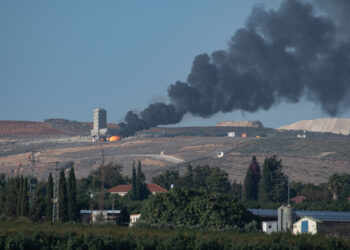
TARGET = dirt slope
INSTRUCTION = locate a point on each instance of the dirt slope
(331, 125)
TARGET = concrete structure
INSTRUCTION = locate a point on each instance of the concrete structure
(124, 189)
(100, 123)
(100, 217)
(134, 218)
(269, 226)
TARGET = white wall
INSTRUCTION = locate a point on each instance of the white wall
(312, 227)
(269, 226)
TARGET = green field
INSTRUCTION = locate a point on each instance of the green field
(25, 235)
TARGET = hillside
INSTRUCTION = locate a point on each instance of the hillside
(48, 128)
(312, 159)
(331, 125)
(27, 128)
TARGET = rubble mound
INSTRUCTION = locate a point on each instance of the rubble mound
(253, 124)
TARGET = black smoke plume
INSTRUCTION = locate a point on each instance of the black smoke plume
(300, 50)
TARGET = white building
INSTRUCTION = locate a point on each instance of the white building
(231, 134)
(306, 225)
(134, 218)
(100, 217)
(328, 225)
(100, 122)
(269, 226)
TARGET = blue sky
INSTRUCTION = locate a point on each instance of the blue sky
(62, 59)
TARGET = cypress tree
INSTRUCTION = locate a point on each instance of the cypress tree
(2, 193)
(72, 196)
(141, 185)
(265, 185)
(19, 197)
(37, 208)
(25, 198)
(139, 190)
(249, 191)
(251, 181)
(62, 198)
(11, 196)
(49, 197)
(133, 182)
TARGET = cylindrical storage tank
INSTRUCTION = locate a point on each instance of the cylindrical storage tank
(288, 218)
(280, 218)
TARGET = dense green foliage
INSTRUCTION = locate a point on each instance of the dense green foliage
(25, 197)
(72, 236)
(170, 177)
(273, 184)
(212, 179)
(184, 207)
(139, 189)
(335, 185)
(37, 210)
(112, 177)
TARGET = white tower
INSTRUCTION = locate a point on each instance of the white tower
(100, 122)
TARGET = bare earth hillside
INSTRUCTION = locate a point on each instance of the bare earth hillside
(48, 128)
(331, 125)
(312, 159)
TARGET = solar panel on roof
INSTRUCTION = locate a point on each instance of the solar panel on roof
(325, 215)
(264, 212)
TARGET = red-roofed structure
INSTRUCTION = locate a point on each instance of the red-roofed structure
(298, 199)
(123, 189)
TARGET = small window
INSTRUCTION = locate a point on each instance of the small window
(270, 226)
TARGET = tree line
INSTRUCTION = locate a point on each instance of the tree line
(264, 187)
(25, 197)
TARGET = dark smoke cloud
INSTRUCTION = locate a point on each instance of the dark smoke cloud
(279, 56)
(339, 11)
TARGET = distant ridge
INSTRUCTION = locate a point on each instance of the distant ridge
(50, 127)
(254, 124)
(13, 128)
(331, 125)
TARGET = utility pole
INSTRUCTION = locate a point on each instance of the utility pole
(32, 180)
(288, 190)
(101, 194)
